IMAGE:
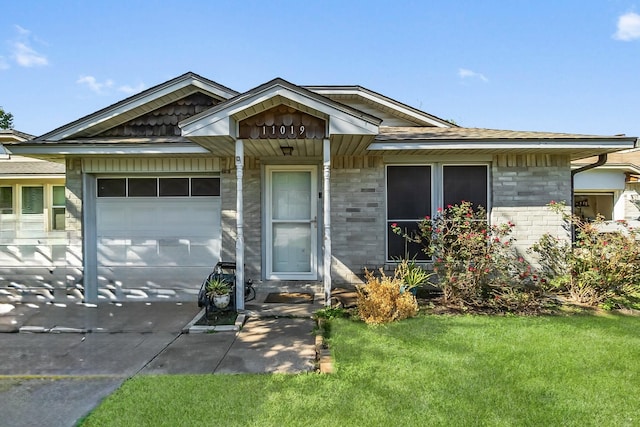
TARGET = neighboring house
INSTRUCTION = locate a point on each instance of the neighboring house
(611, 190)
(32, 220)
(296, 184)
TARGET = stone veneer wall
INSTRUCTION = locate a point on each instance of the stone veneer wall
(252, 198)
(357, 222)
(522, 186)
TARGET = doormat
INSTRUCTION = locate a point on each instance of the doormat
(289, 298)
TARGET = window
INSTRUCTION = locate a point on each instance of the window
(143, 187)
(205, 186)
(411, 189)
(58, 208)
(112, 187)
(6, 200)
(174, 187)
(467, 183)
(408, 200)
(589, 205)
(158, 187)
(32, 200)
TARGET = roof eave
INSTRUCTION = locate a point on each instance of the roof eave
(137, 100)
(425, 118)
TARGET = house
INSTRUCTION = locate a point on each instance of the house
(611, 190)
(32, 219)
(296, 184)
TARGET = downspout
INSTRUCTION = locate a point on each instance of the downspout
(602, 159)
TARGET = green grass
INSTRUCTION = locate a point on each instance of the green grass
(580, 370)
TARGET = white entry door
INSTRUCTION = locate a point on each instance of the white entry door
(291, 223)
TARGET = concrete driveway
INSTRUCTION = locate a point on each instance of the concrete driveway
(78, 355)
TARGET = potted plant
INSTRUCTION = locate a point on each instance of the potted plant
(219, 290)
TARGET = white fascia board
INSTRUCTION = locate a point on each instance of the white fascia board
(487, 145)
(214, 125)
(384, 102)
(623, 167)
(119, 149)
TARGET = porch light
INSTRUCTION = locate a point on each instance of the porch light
(286, 150)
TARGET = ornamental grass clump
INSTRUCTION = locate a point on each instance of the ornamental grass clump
(384, 299)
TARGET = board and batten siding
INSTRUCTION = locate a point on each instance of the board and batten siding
(151, 165)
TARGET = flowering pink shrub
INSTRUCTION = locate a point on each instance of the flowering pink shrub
(476, 263)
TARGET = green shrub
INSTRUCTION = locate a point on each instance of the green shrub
(601, 267)
(476, 263)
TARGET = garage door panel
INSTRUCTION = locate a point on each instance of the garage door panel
(157, 242)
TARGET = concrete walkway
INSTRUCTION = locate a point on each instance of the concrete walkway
(66, 359)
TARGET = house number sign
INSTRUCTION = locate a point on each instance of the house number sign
(282, 122)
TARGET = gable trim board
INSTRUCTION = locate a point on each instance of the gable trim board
(525, 170)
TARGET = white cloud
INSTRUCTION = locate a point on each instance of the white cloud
(94, 85)
(130, 90)
(628, 27)
(23, 53)
(21, 30)
(464, 73)
(25, 56)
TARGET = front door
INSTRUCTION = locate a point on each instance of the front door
(291, 223)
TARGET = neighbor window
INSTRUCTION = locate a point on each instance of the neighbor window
(589, 205)
(6, 200)
(58, 208)
(32, 200)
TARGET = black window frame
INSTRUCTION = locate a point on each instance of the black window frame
(438, 197)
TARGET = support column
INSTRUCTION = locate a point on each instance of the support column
(239, 226)
(90, 239)
(326, 220)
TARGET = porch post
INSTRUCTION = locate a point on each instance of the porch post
(326, 220)
(239, 226)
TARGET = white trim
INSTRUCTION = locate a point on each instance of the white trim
(313, 273)
(326, 220)
(239, 161)
(129, 149)
(380, 101)
(487, 145)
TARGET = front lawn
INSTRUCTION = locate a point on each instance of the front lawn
(431, 370)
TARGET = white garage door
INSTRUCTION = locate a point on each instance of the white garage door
(157, 235)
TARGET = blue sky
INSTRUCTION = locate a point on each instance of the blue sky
(557, 66)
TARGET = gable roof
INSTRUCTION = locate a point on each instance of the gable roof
(380, 102)
(137, 105)
(12, 136)
(216, 128)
